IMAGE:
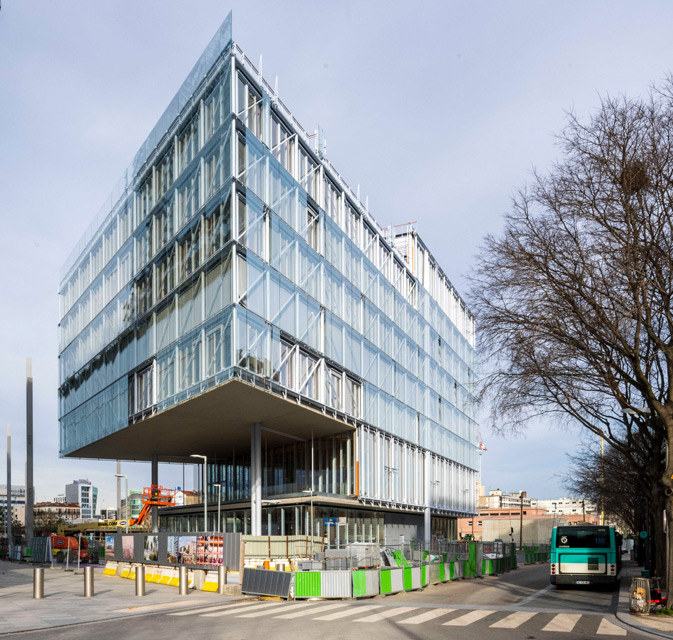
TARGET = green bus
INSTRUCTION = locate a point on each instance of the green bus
(585, 555)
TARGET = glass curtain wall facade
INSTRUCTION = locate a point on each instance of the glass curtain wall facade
(235, 250)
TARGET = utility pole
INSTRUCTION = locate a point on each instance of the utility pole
(522, 496)
(8, 503)
(118, 475)
(30, 490)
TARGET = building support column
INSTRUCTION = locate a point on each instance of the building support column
(155, 481)
(256, 479)
(427, 516)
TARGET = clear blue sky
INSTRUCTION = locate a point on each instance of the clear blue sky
(439, 110)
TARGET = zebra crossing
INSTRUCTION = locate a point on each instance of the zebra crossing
(407, 615)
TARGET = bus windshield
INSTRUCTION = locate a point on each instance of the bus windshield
(582, 537)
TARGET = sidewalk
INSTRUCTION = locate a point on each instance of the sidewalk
(64, 602)
(658, 625)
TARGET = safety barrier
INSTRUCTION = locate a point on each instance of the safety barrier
(198, 579)
(392, 581)
(365, 582)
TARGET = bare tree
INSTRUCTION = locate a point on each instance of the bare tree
(573, 300)
(610, 482)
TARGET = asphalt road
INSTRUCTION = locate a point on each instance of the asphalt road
(518, 605)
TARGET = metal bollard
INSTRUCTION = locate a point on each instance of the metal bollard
(140, 580)
(88, 582)
(183, 583)
(221, 579)
(38, 583)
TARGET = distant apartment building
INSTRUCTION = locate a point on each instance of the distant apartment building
(59, 498)
(505, 521)
(18, 504)
(85, 494)
(497, 499)
(135, 505)
(567, 506)
(63, 511)
(108, 514)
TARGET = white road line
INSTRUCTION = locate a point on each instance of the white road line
(193, 612)
(349, 612)
(532, 596)
(237, 609)
(563, 622)
(295, 613)
(320, 609)
(607, 628)
(514, 620)
(387, 613)
(425, 617)
(263, 610)
(468, 618)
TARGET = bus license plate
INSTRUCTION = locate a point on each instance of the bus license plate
(582, 582)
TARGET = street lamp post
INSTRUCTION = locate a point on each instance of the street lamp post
(312, 518)
(126, 482)
(219, 501)
(205, 491)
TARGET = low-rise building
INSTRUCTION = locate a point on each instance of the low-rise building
(18, 504)
(567, 506)
(62, 511)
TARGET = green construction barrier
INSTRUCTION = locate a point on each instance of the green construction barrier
(442, 572)
(307, 584)
(365, 582)
(400, 559)
(424, 574)
(392, 581)
(471, 569)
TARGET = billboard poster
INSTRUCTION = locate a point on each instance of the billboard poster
(110, 547)
(151, 549)
(209, 550)
(172, 550)
(127, 547)
(187, 549)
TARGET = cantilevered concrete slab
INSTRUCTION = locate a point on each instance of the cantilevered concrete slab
(214, 423)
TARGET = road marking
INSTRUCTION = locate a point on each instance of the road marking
(298, 614)
(563, 622)
(382, 615)
(537, 594)
(468, 618)
(193, 612)
(349, 612)
(425, 617)
(514, 620)
(263, 609)
(607, 628)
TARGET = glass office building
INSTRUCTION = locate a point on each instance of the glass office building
(235, 299)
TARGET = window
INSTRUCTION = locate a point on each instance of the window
(188, 142)
(308, 375)
(249, 106)
(144, 198)
(163, 226)
(352, 398)
(334, 388)
(188, 252)
(282, 143)
(308, 173)
(165, 274)
(213, 173)
(212, 111)
(285, 370)
(312, 231)
(164, 172)
(218, 228)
